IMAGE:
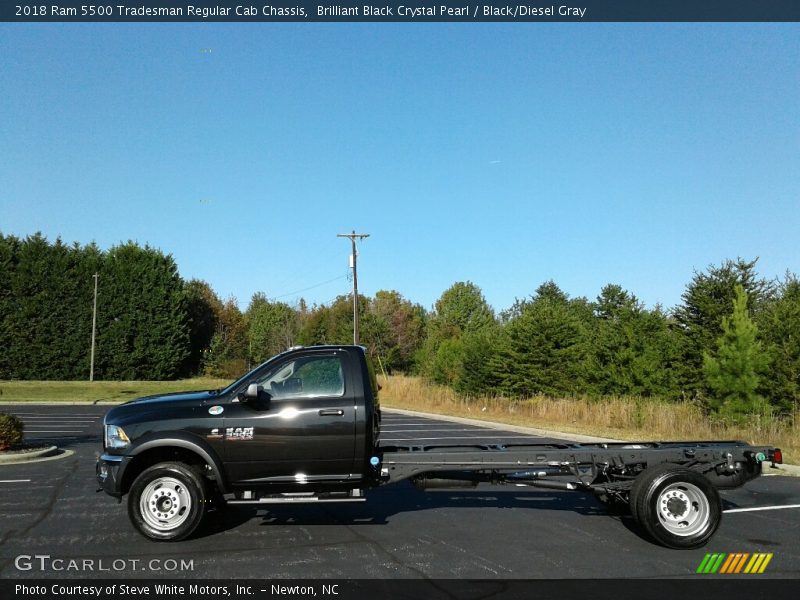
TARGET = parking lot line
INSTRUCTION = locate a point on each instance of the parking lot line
(34, 415)
(54, 430)
(429, 430)
(755, 508)
(461, 437)
(57, 424)
(15, 480)
(82, 420)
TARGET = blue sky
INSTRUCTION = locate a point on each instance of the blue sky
(505, 154)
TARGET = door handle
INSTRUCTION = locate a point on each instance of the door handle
(331, 412)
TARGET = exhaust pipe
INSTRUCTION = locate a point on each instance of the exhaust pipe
(554, 485)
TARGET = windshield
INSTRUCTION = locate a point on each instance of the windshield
(249, 375)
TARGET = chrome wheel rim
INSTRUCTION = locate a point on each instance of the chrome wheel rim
(165, 503)
(683, 509)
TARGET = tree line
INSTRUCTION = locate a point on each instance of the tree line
(733, 343)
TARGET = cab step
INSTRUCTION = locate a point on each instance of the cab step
(248, 497)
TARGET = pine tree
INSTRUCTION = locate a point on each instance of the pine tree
(780, 330)
(478, 375)
(733, 374)
(544, 345)
(706, 300)
(634, 350)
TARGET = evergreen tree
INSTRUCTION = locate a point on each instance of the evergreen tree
(779, 326)
(203, 307)
(477, 374)
(34, 283)
(733, 373)
(9, 306)
(272, 327)
(545, 346)
(633, 351)
(142, 329)
(706, 300)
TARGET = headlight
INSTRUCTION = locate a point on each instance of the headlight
(116, 438)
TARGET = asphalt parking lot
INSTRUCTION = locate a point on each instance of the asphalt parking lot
(51, 508)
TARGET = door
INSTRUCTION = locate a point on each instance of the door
(302, 428)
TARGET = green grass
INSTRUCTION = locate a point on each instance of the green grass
(98, 391)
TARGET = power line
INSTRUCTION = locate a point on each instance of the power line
(353, 263)
(311, 287)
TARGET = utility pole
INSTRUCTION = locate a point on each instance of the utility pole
(94, 328)
(353, 261)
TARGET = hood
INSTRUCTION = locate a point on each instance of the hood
(173, 397)
(157, 407)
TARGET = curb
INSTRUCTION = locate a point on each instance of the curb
(788, 470)
(22, 457)
(27, 461)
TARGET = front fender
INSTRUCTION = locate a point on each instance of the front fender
(185, 441)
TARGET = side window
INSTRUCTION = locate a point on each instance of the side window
(306, 377)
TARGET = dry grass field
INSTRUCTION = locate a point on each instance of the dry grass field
(98, 391)
(615, 417)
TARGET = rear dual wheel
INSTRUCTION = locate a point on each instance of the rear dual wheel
(677, 507)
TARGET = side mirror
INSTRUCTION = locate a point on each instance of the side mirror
(253, 392)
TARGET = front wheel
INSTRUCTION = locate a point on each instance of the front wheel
(167, 502)
(678, 508)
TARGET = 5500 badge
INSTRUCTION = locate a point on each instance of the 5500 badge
(239, 433)
(232, 433)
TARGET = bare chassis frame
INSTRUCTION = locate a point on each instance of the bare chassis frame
(602, 468)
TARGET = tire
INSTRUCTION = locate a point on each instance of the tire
(638, 484)
(167, 502)
(677, 507)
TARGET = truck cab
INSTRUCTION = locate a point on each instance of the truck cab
(306, 418)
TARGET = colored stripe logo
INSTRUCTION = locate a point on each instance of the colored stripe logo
(734, 563)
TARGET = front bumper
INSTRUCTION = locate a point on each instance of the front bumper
(109, 470)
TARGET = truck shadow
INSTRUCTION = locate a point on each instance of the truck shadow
(402, 498)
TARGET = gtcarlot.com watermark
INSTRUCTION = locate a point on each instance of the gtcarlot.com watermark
(45, 562)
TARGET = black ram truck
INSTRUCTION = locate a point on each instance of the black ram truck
(304, 427)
